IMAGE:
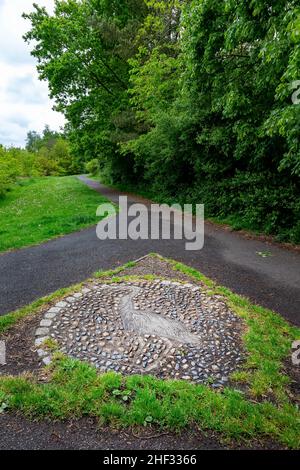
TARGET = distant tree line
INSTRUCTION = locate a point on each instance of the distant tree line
(52, 152)
(190, 99)
(47, 154)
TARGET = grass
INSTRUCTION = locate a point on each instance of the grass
(257, 407)
(76, 390)
(39, 209)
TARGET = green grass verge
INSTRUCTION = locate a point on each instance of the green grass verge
(76, 390)
(262, 408)
(39, 209)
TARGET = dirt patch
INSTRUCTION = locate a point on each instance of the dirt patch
(155, 266)
(20, 352)
(293, 372)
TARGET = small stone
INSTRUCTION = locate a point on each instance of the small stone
(61, 304)
(40, 341)
(46, 323)
(50, 315)
(85, 290)
(42, 331)
(47, 360)
(54, 310)
(41, 353)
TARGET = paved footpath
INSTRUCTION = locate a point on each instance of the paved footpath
(227, 257)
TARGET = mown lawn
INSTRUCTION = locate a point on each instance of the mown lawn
(43, 208)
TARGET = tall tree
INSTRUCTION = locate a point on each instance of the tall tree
(82, 51)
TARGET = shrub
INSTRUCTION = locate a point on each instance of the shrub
(92, 167)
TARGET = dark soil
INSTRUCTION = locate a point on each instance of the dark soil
(16, 432)
(153, 265)
(293, 371)
(20, 352)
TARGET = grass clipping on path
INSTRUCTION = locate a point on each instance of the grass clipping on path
(260, 409)
(43, 208)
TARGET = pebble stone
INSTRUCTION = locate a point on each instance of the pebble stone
(40, 340)
(49, 315)
(46, 322)
(47, 360)
(43, 331)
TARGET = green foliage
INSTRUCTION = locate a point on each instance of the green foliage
(14, 163)
(53, 153)
(45, 155)
(92, 167)
(191, 99)
(82, 51)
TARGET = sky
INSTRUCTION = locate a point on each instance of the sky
(24, 100)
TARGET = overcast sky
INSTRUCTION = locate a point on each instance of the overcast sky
(24, 101)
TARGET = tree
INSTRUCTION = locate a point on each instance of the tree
(33, 141)
(191, 98)
(82, 51)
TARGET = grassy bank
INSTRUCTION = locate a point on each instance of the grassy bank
(43, 208)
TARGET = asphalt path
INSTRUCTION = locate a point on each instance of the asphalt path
(228, 257)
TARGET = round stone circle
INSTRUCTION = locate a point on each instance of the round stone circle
(164, 328)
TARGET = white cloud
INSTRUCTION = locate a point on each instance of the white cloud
(24, 101)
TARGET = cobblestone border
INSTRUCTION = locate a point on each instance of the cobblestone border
(42, 333)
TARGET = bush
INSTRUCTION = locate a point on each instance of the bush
(92, 167)
(10, 168)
